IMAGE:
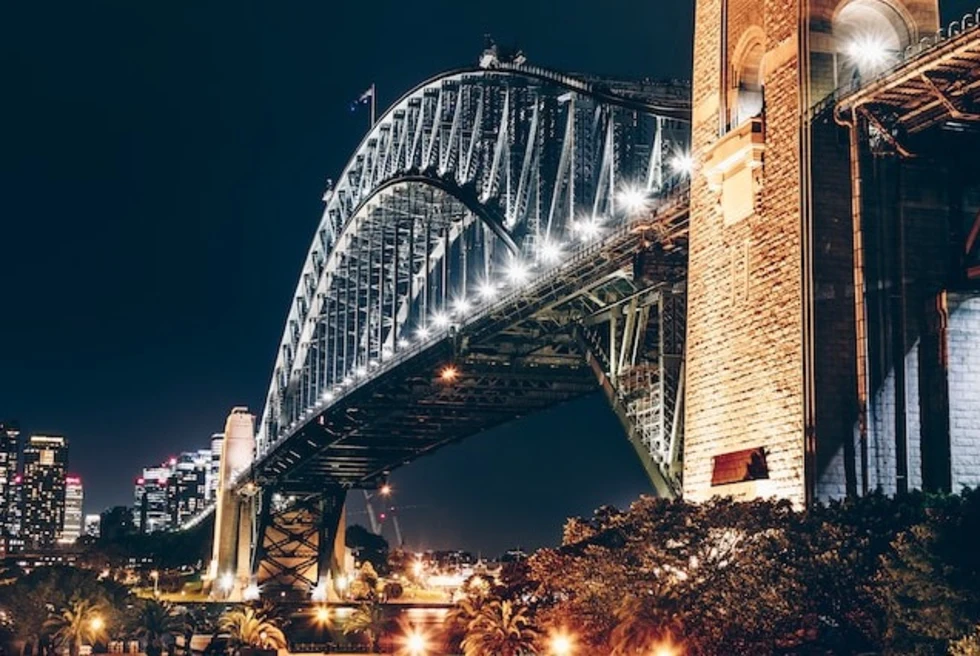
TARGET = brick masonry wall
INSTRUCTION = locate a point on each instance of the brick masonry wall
(744, 373)
(964, 388)
(745, 357)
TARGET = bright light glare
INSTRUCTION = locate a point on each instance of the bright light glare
(328, 396)
(869, 52)
(682, 163)
(322, 614)
(422, 333)
(487, 290)
(416, 644)
(385, 489)
(461, 306)
(226, 581)
(402, 343)
(342, 583)
(449, 374)
(517, 272)
(587, 229)
(561, 644)
(550, 252)
(633, 199)
(97, 623)
(667, 648)
(441, 320)
(251, 593)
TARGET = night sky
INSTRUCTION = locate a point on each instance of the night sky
(162, 169)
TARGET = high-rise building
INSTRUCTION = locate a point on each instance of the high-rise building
(213, 471)
(187, 485)
(43, 489)
(74, 497)
(92, 525)
(9, 487)
(150, 499)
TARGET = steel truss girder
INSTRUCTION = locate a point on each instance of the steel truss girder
(636, 348)
(461, 174)
(512, 361)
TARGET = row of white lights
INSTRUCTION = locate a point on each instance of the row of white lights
(518, 272)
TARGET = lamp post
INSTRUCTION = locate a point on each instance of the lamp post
(155, 575)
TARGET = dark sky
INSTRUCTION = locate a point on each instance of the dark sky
(162, 168)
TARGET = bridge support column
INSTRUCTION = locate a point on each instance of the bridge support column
(299, 543)
(228, 573)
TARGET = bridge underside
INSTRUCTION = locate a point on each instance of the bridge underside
(607, 315)
(523, 354)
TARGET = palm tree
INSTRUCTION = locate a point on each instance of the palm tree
(500, 629)
(80, 621)
(369, 619)
(156, 621)
(249, 627)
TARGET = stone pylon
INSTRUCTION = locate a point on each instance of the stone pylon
(229, 570)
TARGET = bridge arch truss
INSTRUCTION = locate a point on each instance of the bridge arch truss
(472, 183)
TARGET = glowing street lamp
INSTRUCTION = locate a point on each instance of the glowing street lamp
(869, 52)
(385, 489)
(449, 374)
(96, 624)
(416, 643)
(155, 575)
(461, 307)
(682, 164)
(517, 272)
(633, 199)
(441, 320)
(587, 229)
(322, 615)
(423, 333)
(550, 252)
(562, 644)
(487, 290)
(667, 648)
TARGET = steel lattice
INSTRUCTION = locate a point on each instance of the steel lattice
(471, 176)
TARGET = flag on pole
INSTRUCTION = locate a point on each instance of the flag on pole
(364, 98)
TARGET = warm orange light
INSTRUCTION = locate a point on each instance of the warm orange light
(415, 643)
(449, 374)
(562, 644)
(322, 614)
(667, 647)
(385, 490)
(97, 623)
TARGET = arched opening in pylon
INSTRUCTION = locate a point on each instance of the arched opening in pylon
(870, 36)
(749, 81)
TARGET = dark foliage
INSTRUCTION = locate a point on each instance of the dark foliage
(876, 574)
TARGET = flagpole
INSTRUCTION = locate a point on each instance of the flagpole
(374, 104)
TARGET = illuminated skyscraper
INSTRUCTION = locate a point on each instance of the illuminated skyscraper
(150, 498)
(74, 498)
(43, 489)
(9, 487)
(213, 471)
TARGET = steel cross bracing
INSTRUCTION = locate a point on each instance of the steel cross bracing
(471, 177)
(512, 357)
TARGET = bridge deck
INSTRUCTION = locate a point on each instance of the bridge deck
(513, 358)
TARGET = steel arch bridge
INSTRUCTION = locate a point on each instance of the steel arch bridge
(503, 239)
